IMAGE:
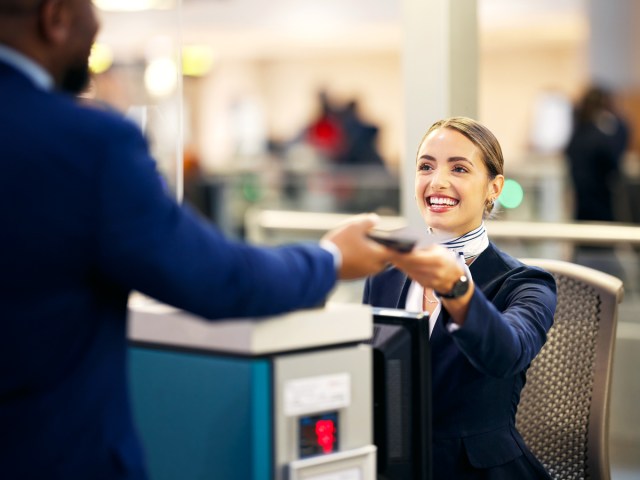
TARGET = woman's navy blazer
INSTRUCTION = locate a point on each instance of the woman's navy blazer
(479, 370)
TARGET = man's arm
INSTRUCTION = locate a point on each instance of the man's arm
(149, 243)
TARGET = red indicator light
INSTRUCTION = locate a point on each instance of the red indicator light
(318, 434)
(325, 433)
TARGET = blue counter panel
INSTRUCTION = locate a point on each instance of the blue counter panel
(203, 416)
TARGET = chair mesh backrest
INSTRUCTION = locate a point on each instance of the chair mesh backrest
(553, 415)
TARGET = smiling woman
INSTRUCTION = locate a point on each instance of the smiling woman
(490, 315)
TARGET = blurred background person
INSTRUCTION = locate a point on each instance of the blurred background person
(336, 153)
(326, 133)
(597, 143)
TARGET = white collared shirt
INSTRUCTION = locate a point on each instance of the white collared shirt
(35, 72)
(414, 304)
(415, 297)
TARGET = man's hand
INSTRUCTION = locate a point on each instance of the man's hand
(361, 256)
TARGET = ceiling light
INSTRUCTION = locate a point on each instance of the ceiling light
(101, 58)
(133, 5)
(197, 60)
(161, 77)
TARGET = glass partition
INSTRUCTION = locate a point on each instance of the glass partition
(280, 104)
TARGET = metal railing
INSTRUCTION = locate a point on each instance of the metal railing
(261, 224)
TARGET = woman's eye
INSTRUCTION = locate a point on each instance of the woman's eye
(424, 167)
(459, 169)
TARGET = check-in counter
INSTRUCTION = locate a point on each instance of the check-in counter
(286, 397)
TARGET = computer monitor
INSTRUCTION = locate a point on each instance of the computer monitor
(401, 394)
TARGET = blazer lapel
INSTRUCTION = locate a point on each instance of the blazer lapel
(439, 332)
(402, 298)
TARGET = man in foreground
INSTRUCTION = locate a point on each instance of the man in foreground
(85, 222)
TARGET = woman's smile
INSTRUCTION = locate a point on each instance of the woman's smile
(441, 203)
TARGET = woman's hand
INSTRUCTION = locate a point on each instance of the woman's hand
(437, 268)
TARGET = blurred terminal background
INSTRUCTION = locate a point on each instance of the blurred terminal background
(255, 107)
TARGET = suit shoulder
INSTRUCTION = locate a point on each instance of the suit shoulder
(513, 271)
(93, 120)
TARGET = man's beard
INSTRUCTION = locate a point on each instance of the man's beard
(75, 79)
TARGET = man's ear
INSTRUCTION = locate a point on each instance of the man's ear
(54, 20)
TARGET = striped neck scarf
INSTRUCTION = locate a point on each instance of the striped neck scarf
(469, 245)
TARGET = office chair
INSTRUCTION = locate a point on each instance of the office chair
(564, 408)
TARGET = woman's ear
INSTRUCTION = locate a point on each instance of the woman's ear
(495, 187)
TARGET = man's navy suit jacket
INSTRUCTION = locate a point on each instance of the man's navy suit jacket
(85, 220)
(479, 370)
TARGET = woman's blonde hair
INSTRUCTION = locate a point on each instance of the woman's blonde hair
(481, 137)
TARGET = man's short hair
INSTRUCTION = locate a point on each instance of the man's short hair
(18, 6)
